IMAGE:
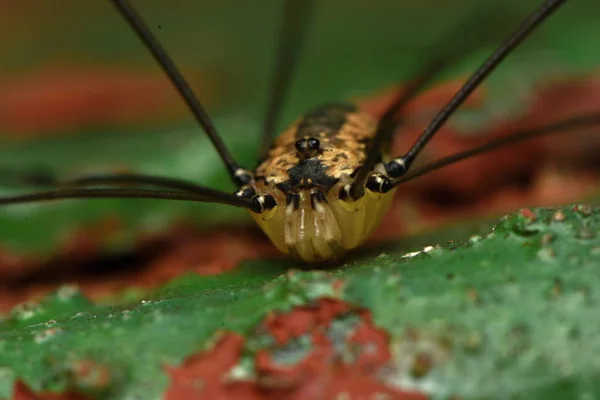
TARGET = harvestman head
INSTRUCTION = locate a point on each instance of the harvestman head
(324, 184)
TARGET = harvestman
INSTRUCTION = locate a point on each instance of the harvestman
(324, 184)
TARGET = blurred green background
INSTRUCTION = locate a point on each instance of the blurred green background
(354, 49)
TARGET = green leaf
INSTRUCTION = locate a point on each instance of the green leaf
(503, 314)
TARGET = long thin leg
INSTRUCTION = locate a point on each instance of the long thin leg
(239, 175)
(296, 15)
(582, 121)
(401, 165)
(210, 196)
(450, 49)
(46, 179)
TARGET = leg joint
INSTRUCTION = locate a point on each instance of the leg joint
(396, 168)
(379, 183)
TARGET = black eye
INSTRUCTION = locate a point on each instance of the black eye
(313, 143)
(300, 145)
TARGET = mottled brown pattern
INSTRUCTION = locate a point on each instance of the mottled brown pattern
(281, 157)
(343, 148)
(346, 150)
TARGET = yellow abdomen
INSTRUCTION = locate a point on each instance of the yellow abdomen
(324, 231)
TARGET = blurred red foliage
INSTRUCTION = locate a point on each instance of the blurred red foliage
(62, 100)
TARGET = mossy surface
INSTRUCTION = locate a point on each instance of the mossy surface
(503, 314)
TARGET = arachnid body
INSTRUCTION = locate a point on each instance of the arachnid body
(323, 185)
(306, 169)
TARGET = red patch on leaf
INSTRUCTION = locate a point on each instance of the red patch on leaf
(203, 376)
(323, 373)
(61, 99)
(302, 320)
(22, 392)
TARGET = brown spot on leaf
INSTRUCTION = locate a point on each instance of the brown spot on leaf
(547, 238)
(473, 295)
(422, 364)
